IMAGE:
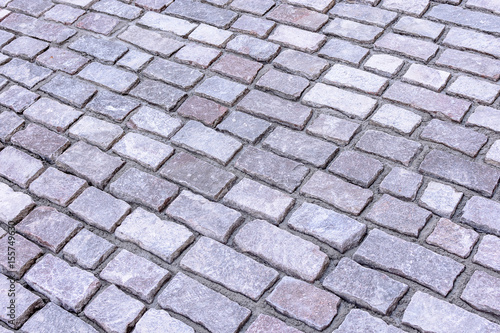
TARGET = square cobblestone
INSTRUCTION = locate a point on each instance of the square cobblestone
(95, 131)
(26, 255)
(453, 238)
(52, 114)
(41, 141)
(143, 150)
(87, 250)
(19, 167)
(17, 98)
(58, 187)
(13, 205)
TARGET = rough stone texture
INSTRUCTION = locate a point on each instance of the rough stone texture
(401, 183)
(282, 249)
(202, 109)
(470, 63)
(426, 76)
(40, 141)
(419, 27)
(364, 13)
(257, 7)
(415, 7)
(334, 129)
(163, 238)
(268, 324)
(487, 253)
(221, 90)
(26, 254)
(410, 260)
(483, 292)
(58, 187)
(25, 73)
(253, 47)
(25, 47)
(384, 64)
(19, 167)
(471, 40)
(341, 50)
(13, 205)
(493, 154)
(64, 60)
(112, 105)
(156, 320)
(482, 214)
(396, 118)
(349, 77)
(134, 60)
(203, 305)
(453, 238)
(463, 17)
(301, 63)
(52, 114)
(17, 98)
(63, 14)
(304, 302)
(173, 73)
(210, 35)
(167, 23)
(365, 286)
(218, 17)
(154, 121)
(358, 168)
(102, 49)
(95, 131)
(353, 30)
(110, 77)
(143, 150)
(150, 41)
(253, 25)
(87, 250)
(286, 85)
(300, 17)
(361, 321)
(9, 124)
(69, 90)
(478, 90)
(440, 199)
(244, 126)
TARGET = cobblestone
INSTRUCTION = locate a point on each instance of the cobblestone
(349, 77)
(167, 23)
(479, 90)
(52, 316)
(487, 253)
(364, 13)
(143, 150)
(297, 16)
(196, 55)
(158, 93)
(210, 35)
(301, 63)
(470, 63)
(286, 85)
(25, 47)
(25, 73)
(487, 117)
(154, 121)
(396, 118)
(87, 250)
(69, 90)
(338, 130)
(56, 186)
(170, 72)
(205, 13)
(202, 109)
(341, 50)
(63, 14)
(17, 98)
(150, 41)
(155, 320)
(253, 47)
(353, 30)
(112, 105)
(244, 126)
(361, 321)
(427, 77)
(358, 168)
(453, 238)
(13, 205)
(482, 214)
(40, 141)
(419, 27)
(62, 59)
(482, 292)
(237, 68)
(384, 64)
(99, 48)
(19, 167)
(26, 302)
(255, 26)
(95, 131)
(9, 124)
(265, 323)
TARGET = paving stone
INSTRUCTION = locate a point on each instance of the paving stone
(283, 84)
(296, 38)
(268, 324)
(114, 310)
(17, 98)
(112, 105)
(9, 124)
(170, 72)
(40, 141)
(440, 199)
(358, 168)
(210, 35)
(155, 5)
(479, 90)
(87, 250)
(297, 16)
(163, 238)
(459, 171)
(13, 205)
(221, 90)
(301, 63)
(135, 274)
(401, 183)
(337, 230)
(407, 46)
(482, 292)
(354, 78)
(208, 218)
(151, 41)
(487, 253)
(364, 13)
(464, 17)
(56, 186)
(78, 3)
(257, 7)
(202, 109)
(31, 7)
(273, 169)
(6, 37)
(156, 320)
(19, 167)
(426, 76)
(204, 13)
(202, 305)
(396, 118)
(62, 59)
(384, 64)
(52, 317)
(196, 55)
(253, 47)
(361, 321)
(365, 287)
(436, 104)
(415, 7)
(237, 68)
(158, 93)
(319, 5)
(134, 60)
(470, 63)
(197, 175)
(353, 30)
(117, 8)
(223, 265)
(102, 49)
(423, 310)
(27, 25)
(333, 129)
(474, 41)
(95, 131)
(490, 5)
(482, 214)
(108, 76)
(143, 150)
(70, 90)
(492, 156)
(67, 286)
(99, 23)
(63, 14)
(25, 47)
(154, 121)
(89, 163)
(418, 27)
(252, 25)
(244, 126)
(487, 117)
(410, 260)
(453, 238)
(25, 73)
(26, 255)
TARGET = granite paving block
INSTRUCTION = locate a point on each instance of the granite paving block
(52, 316)
(244, 126)
(173, 73)
(63, 14)
(95, 131)
(87, 250)
(198, 108)
(300, 63)
(253, 47)
(58, 187)
(252, 25)
(69, 90)
(453, 238)
(13, 205)
(167, 23)
(210, 35)
(202, 12)
(103, 49)
(482, 292)
(340, 50)
(143, 150)
(154, 121)
(116, 107)
(156, 320)
(487, 253)
(17, 98)
(19, 167)
(62, 59)
(396, 118)
(9, 124)
(24, 72)
(52, 114)
(364, 13)
(335, 129)
(356, 167)
(41, 141)
(26, 255)
(150, 41)
(440, 199)
(361, 321)
(268, 324)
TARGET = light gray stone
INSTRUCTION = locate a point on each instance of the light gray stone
(396, 118)
(487, 253)
(143, 150)
(221, 90)
(384, 64)
(157, 320)
(483, 292)
(426, 76)
(19, 167)
(361, 321)
(151, 41)
(154, 121)
(479, 90)
(52, 114)
(440, 199)
(349, 77)
(167, 23)
(13, 205)
(268, 324)
(338, 130)
(87, 250)
(95, 131)
(453, 238)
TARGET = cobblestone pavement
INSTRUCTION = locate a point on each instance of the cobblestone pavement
(250, 166)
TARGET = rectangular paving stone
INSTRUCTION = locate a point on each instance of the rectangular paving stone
(401, 183)
(70, 90)
(265, 323)
(156, 320)
(384, 64)
(58, 187)
(252, 25)
(167, 23)
(304, 302)
(276, 170)
(202, 109)
(19, 167)
(490, 5)
(487, 253)
(365, 287)
(108, 76)
(396, 118)
(244, 126)
(9, 124)
(470, 63)
(364, 13)
(221, 90)
(283, 84)
(26, 255)
(440, 199)
(300, 63)
(117, 8)
(360, 321)
(465, 17)
(62, 59)
(415, 7)
(13, 205)
(337, 230)
(134, 60)
(255, 48)
(492, 154)
(408, 46)
(6, 37)
(87, 250)
(197, 175)
(210, 35)
(333, 129)
(25, 73)
(475, 176)
(282, 249)
(233, 270)
(158, 93)
(150, 41)
(426, 76)
(419, 27)
(32, 7)
(356, 167)
(40, 141)
(154, 5)
(472, 40)
(297, 16)
(300, 146)
(17, 98)
(346, 76)
(98, 23)
(318, 5)
(208, 218)
(52, 316)
(143, 150)
(257, 7)
(112, 105)
(485, 116)
(163, 238)
(102, 49)
(47, 31)
(482, 292)
(154, 121)
(453, 238)
(482, 214)
(202, 305)
(67, 286)
(423, 310)
(341, 50)
(358, 32)
(173, 73)
(201, 12)
(337, 192)
(95, 131)
(63, 14)
(479, 90)
(197, 55)
(409, 260)
(25, 47)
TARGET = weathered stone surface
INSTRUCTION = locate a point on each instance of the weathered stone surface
(349, 77)
(487, 253)
(483, 292)
(95, 131)
(25, 47)
(154, 121)
(210, 35)
(419, 27)
(19, 167)
(281, 249)
(253, 47)
(167, 23)
(440, 199)
(319, 5)
(13, 205)
(117, 8)
(205, 13)
(108, 76)
(203, 305)
(171, 72)
(221, 90)
(17, 98)
(238, 68)
(365, 286)
(70, 90)
(197, 55)
(9, 124)
(244, 126)
(252, 25)
(333, 129)
(426, 76)
(423, 311)
(464, 17)
(163, 238)
(482, 214)
(407, 46)
(40, 141)
(485, 116)
(143, 150)
(283, 84)
(33, 7)
(67, 286)
(364, 13)
(396, 118)
(493, 154)
(361, 321)
(52, 114)
(384, 64)
(415, 7)
(25, 73)
(268, 324)
(297, 38)
(410, 260)
(341, 50)
(114, 310)
(257, 7)
(475, 176)
(472, 40)
(48, 31)
(151, 41)
(26, 254)
(304, 302)
(202, 109)
(401, 183)
(353, 30)
(301, 63)
(102, 49)
(490, 5)
(57, 186)
(112, 105)
(87, 250)
(63, 14)
(235, 271)
(99, 23)
(479, 90)
(134, 60)
(155, 5)
(135, 274)
(300, 17)
(470, 63)
(356, 167)
(453, 238)
(157, 320)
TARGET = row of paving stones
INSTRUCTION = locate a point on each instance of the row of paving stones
(283, 159)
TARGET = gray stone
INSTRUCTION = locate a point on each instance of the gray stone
(171, 72)
(483, 292)
(440, 199)
(361, 321)
(50, 113)
(384, 64)
(453, 238)
(465, 17)
(13, 205)
(268, 324)
(418, 27)
(490, 5)
(401, 183)
(158, 93)
(426, 76)
(349, 77)
(157, 320)
(252, 25)
(334, 129)
(154, 121)
(151, 41)
(221, 90)
(257, 7)
(17, 98)
(244, 126)
(70, 90)
(112, 105)
(197, 11)
(26, 255)
(472, 40)
(341, 50)
(415, 7)
(482, 214)
(63, 14)
(301, 63)
(356, 167)
(108, 76)
(283, 84)
(493, 154)
(95, 131)
(210, 35)
(396, 118)
(487, 253)
(478, 90)
(9, 124)
(41, 141)
(19, 167)
(117, 8)
(364, 13)
(299, 17)
(197, 55)
(25, 47)
(358, 32)
(134, 60)
(299, 39)
(143, 150)
(102, 49)
(87, 250)
(470, 63)
(408, 46)
(253, 47)
(167, 23)
(24, 72)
